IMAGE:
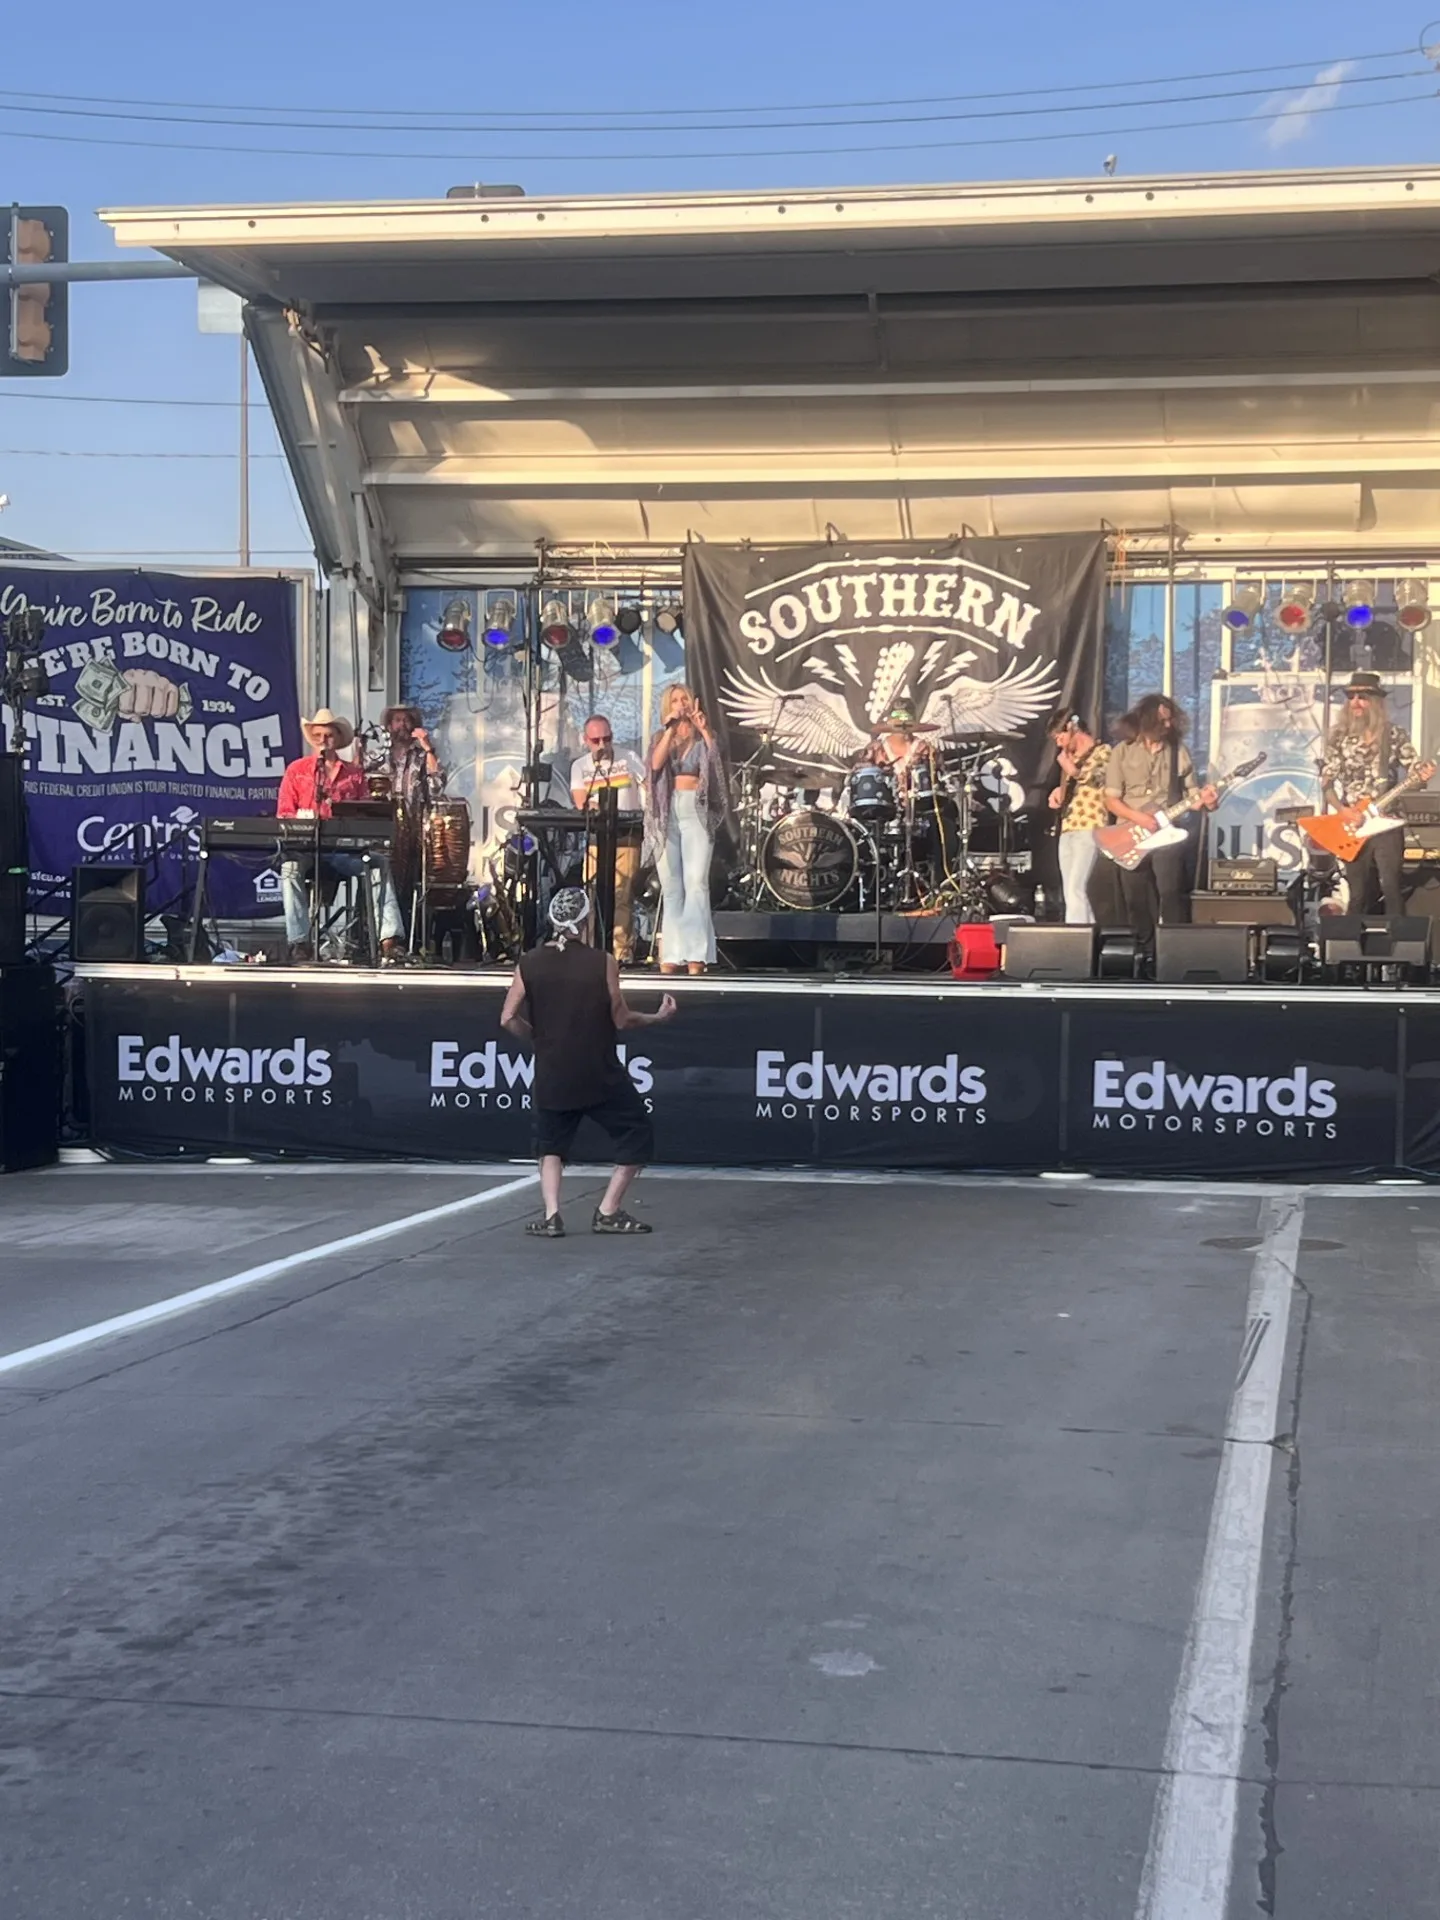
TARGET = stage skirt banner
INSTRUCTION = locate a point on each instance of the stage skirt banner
(172, 696)
(980, 639)
(374, 1068)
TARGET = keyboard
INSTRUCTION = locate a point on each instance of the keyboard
(572, 820)
(268, 832)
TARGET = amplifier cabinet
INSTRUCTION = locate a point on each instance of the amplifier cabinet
(1241, 910)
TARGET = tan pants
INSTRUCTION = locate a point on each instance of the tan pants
(627, 873)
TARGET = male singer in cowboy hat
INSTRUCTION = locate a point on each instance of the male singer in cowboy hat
(308, 788)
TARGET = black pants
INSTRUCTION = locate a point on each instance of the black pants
(1378, 873)
(1157, 890)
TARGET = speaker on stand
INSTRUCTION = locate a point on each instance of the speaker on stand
(14, 860)
(107, 913)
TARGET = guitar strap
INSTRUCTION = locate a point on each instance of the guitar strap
(1172, 791)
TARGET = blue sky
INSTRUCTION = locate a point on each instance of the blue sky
(635, 59)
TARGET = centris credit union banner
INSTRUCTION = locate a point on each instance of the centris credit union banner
(172, 697)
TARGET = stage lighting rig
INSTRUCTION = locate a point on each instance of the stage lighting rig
(600, 618)
(454, 633)
(1412, 602)
(1358, 600)
(1297, 606)
(555, 628)
(1246, 600)
(499, 632)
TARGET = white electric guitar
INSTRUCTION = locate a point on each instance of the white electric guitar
(1128, 845)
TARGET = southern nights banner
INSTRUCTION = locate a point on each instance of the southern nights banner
(978, 637)
(171, 697)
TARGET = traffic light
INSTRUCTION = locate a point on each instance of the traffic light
(37, 334)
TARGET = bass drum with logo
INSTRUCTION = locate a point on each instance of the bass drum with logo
(813, 861)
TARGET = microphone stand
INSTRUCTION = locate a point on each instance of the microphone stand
(322, 793)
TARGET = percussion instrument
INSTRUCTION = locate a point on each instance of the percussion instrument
(447, 843)
(811, 860)
(870, 794)
(380, 786)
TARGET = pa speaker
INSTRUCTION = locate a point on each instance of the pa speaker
(1202, 956)
(14, 860)
(107, 913)
(1050, 953)
(29, 1068)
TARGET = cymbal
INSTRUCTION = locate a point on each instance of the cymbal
(911, 726)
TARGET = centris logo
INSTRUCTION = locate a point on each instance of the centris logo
(490, 1076)
(1160, 1098)
(173, 1073)
(943, 1093)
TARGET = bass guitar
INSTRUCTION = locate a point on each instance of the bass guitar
(1128, 845)
(1345, 832)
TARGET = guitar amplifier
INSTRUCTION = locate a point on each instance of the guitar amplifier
(1244, 876)
(1421, 814)
(1241, 910)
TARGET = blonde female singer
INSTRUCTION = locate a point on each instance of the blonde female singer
(687, 804)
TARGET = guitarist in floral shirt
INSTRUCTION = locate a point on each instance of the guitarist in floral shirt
(1364, 755)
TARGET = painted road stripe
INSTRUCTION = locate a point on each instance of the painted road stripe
(1190, 1858)
(253, 1277)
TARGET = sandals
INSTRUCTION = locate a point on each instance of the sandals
(552, 1227)
(619, 1222)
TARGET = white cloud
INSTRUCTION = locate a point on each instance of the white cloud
(1292, 116)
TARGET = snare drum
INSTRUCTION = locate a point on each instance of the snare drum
(447, 843)
(870, 794)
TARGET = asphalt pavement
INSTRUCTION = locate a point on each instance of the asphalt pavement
(831, 1552)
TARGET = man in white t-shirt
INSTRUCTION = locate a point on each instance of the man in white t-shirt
(599, 768)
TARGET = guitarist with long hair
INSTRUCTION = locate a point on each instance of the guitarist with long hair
(1146, 773)
(1365, 754)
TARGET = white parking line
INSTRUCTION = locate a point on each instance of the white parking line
(1190, 1859)
(253, 1277)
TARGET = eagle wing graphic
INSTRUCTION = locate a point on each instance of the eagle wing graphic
(961, 704)
(814, 726)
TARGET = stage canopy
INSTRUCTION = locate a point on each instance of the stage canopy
(1250, 358)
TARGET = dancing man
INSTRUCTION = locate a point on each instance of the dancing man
(565, 999)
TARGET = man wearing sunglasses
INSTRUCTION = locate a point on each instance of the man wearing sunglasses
(599, 768)
(1365, 754)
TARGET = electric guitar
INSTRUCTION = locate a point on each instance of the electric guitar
(1128, 845)
(1345, 832)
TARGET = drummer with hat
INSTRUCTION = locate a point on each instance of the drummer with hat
(308, 790)
(1365, 754)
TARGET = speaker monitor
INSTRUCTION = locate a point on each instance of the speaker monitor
(107, 913)
(1202, 956)
(1050, 953)
(1347, 940)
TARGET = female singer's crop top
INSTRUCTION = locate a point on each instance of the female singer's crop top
(689, 761)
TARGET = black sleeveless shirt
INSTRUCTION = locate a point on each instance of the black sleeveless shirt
(567, 998)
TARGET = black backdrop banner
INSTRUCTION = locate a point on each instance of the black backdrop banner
(1112, 1082)
(815, 645)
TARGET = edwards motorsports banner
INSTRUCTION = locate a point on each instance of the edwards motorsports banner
(171, 697)
(978, 637)
(958, 1078)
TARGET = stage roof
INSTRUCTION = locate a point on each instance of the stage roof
(1254, 357)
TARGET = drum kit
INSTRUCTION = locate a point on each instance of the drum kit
(891, 838)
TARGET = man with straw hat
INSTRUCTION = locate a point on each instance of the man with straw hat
(308, 790)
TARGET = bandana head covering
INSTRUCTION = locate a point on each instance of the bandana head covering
(569, 910)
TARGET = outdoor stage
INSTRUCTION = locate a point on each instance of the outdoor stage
(1249, 1082)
